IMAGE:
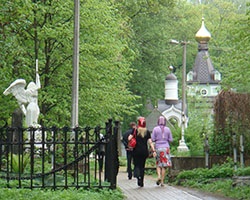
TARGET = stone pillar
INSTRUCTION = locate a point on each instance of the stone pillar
(17, 135)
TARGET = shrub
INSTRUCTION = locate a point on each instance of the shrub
(17, 166)
(243, 171)
(217, 171)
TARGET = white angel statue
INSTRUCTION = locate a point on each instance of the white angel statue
(27, 97)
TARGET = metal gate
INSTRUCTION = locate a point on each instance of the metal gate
(59, 157)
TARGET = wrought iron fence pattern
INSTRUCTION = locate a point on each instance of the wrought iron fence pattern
(59, 157)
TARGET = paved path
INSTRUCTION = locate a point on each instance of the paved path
(151, 191)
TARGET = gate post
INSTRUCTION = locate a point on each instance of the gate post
(242, 150)
(108, 154)
(234, 151)
(111, 157)
(206, 148)
(115, 158)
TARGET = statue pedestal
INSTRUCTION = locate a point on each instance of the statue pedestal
(182, 146)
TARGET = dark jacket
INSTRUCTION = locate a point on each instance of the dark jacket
(125, 138)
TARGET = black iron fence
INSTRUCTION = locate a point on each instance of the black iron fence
(59, 157)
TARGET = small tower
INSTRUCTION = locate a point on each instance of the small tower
(203, 80)
(171, 106)
(171, 88)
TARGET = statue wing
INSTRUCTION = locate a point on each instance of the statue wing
(17, 88)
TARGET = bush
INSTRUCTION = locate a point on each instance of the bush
(243, 171)
(225, 170)
(218, 180)
(15, 165)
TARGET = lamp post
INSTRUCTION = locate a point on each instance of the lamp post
(182, 145)
(75, 81)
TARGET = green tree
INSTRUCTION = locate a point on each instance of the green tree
(153, 28)
(235, 58)
(147, 22)
(43, 30)
(105, 64)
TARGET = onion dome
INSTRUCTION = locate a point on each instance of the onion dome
(171, 76)
(203, 35)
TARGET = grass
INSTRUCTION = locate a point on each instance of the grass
(58, 194)
(217, 180)
(221, 187)
(69, 194)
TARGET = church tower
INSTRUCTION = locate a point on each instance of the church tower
(203, 80)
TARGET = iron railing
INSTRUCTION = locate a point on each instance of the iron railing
(59, 157)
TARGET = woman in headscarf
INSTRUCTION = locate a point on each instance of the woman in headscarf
(162, 137)
(140, 152)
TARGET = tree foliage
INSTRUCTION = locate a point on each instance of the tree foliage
(124, 52)
(43, 30)
(105, 64)
(39, 30)
(236, 65)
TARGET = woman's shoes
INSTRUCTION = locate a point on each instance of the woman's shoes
(140, 182)
(158, 181)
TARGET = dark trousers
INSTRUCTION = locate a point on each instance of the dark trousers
(129, 163)
(139, 169)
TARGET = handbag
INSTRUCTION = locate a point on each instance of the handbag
(132, 142)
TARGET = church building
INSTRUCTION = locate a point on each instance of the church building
(202, 81)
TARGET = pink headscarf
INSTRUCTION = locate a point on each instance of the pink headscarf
(162, 122)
